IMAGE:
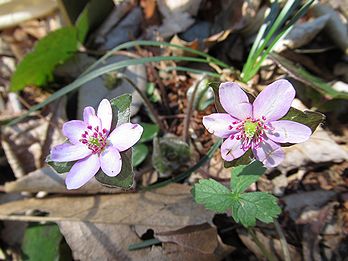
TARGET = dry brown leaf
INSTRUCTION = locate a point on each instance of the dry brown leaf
(168, 208)
(27, 143)
(90, 241)
(46, 179)
(202, 238)
(102, 227)
(271, 244)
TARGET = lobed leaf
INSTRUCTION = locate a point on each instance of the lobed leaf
(139, 154)
(244, 175)
(213, 195)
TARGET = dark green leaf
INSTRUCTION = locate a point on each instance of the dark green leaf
(255, 205)
(121, 109)
(123, 180)
(60, 167)
(213, 195)
(170, 153)
(140, 152)
(37, 67)
(244, 160)
(309, 118)
(244, 175)
(305, 77)
(42, 242)
(121, 114)
(150, 131)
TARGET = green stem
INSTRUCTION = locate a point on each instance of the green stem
(263, 249)
(144, 244)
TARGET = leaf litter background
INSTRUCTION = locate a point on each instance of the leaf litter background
(98, 222)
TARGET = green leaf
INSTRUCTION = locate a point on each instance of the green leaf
(245, 207)
(140, 152)
(170, 153)
(37, 67)
(255, 205)
(244, 175)
(204, 95)
(43, 242)
(300, 74)
(124, 179)
(150, 131)
(121, 114)
(244, 160)
(213, 195)
(309, 118)
(60, 167)
(121, 109)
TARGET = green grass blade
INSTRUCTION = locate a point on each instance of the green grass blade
(157, 44)
(187, 69)
(98, 72)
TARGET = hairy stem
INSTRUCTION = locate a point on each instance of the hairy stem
(263, 249)
(284, 244)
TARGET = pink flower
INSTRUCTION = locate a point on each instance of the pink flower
(93, 146)
(256, 126)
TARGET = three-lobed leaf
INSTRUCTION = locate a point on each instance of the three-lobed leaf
(246, 207)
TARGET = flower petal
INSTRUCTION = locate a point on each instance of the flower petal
(104, 113)
(269, 153)
(82, 172)
(231, 149)
(289, 131)
(274, 101)
(219, 124)
(90, 118)
(69, 152)
(111, 161)
(234, 100)
(125, 136)
(73, 130)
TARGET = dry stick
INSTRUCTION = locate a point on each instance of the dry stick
(264, 251)
(283, 243)
(146, 101)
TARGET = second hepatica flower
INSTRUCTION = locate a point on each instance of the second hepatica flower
(257, 126)
(93, 145)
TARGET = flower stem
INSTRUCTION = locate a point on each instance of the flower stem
(146, 101)
(283, 243)
(264, 251)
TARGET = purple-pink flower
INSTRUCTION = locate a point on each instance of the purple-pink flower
(93, 146)
(257, 125)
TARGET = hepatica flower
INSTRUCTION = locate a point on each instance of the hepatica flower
(256, 126)
(93, 146)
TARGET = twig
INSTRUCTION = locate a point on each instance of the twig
(264, 251)
(146, 101)
(283, 243)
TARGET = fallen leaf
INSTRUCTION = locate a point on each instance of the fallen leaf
(46, 179)
(271, 244)
(302, 34)
(335, 28)
(27, 143)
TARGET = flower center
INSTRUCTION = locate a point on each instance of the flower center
(250, 128)
(94, 139)
(250, 131)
